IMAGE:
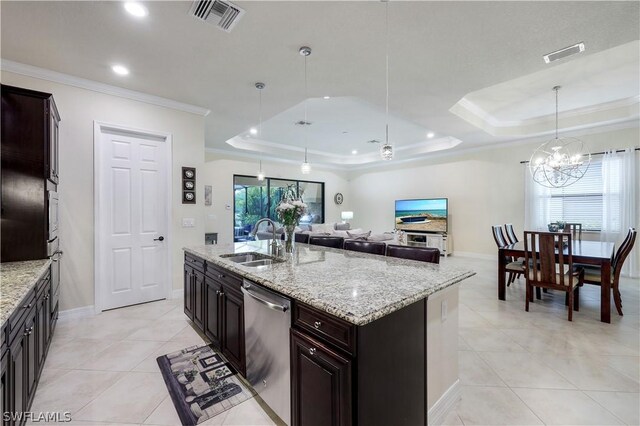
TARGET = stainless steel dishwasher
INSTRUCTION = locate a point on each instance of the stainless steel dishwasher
(267, 319)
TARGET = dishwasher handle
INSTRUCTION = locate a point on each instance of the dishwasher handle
(246, 290)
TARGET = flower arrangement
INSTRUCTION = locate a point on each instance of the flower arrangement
(290, 211)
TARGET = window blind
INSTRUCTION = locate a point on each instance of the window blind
(582, 201)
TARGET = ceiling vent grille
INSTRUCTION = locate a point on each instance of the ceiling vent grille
(223, 14)
(563, 53)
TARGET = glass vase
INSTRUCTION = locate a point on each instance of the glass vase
(289, 238)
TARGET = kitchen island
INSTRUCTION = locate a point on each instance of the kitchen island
(373, 339)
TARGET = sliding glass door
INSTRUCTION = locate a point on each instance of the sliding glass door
(254, 199)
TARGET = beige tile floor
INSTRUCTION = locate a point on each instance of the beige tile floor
(516, 368)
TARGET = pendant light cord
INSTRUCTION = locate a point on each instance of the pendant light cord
(306, 92)
(557, 88)
(260, 114)
(387, 70)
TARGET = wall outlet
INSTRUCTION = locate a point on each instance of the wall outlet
(188, 222)
(444, 310)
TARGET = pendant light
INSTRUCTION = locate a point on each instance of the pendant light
(560, 161)
(260, 86)
(305, 168)
(386, 151)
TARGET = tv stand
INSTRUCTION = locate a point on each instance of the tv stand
(440, 241)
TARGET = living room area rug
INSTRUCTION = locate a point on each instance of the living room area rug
(202, 384)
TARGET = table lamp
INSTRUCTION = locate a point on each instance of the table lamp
(346, 216)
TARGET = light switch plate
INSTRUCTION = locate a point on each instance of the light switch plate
(188, 222)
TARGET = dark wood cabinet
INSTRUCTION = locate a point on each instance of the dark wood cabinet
(233, 327)
(213, 290)
(4, 382)
(26, 338)
(16, 375)
(29, 135)
(198, 299)
(320, 383)
(31, 357)
(189, 290)
(43, 323)
(52, 141)
(214, 302)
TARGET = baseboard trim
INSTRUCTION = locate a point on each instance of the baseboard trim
(82, 312)
(177, 293)
(473, 255)
(438, 413)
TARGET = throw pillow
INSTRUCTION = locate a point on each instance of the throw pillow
(387, 236)
(359, 236)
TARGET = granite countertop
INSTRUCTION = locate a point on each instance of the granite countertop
(357, 287)
(16, 279)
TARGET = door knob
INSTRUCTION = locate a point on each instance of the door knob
(160, 238)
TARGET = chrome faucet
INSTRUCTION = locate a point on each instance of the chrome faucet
(276, 249)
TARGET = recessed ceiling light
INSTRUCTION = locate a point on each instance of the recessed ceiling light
(327, 97)
(354, 152)
(120, 69)
(136, 9)
(430, 135)
(253, 131)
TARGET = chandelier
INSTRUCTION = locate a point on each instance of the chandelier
(559, 162)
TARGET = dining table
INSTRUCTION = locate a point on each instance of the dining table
(594, 253)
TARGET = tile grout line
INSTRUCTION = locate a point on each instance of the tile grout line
(605, 408)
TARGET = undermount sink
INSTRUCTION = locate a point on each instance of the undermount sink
(252, 260)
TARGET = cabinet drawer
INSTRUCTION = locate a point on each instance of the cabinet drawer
(222, 275)
(19, 314)
(326, 327)
(194, 262)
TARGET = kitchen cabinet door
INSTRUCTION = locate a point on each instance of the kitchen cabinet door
(16, 374)
(43, 325)
(53, 147)
(213, 290)
(5, 405)
(198, 299)
(233, 328)
(320, 384)
(188, 291)
(31, 361)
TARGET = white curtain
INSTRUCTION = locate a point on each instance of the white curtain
(537, 202)
(620, 203)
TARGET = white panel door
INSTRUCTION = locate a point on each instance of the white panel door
(133, 220)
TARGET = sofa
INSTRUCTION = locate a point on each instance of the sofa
(304, 231)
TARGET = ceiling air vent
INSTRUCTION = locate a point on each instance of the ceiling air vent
(223, 14)
(563, 53)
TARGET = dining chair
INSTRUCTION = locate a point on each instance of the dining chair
(298, 237)
(373, 247)
(328, 241)
(547, 265)
(422, 254)
(592, 273)
(514, 267)
(511, 234)
(575, 229)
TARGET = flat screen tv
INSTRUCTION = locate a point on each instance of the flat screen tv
(427, 215)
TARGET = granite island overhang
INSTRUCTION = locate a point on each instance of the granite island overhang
(394, 325)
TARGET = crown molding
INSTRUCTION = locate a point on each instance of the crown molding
(257, 157)
(107, 89)
(477, 116)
